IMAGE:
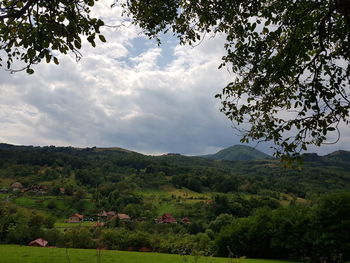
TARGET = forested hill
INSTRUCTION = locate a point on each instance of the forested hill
(238, 153)
(90, 167)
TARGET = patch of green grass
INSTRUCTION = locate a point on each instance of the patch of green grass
(185, 193)
(3, 196)
(154, 193)
(165, 207)
(6, 182)
(24, 254)
(28, 202)
(71, 225)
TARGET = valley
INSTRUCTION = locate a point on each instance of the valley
(116, 199)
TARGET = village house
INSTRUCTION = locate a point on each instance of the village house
(76, 218)
(121, 217)
(17, 186)
(38, 243)
(166, 219)
(110, 214)
(186, 221)
(103, 215)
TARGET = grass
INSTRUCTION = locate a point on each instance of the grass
(40, 202)
(25, 254)
(3, 196)
(186, 193)
(169, 199)
(29, 202)
(71, 225)
(154, 193)
(165, 208)
(6, 182)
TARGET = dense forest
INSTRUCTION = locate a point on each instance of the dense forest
(177, 204)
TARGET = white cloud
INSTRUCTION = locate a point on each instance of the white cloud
(116, 96)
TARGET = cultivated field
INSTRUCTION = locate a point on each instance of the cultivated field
(25, 254)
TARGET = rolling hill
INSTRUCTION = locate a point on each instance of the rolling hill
(238, 153)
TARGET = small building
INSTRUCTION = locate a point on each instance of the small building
(121, 217)
(76, 218)
(166, 219)
(186, 221)
(38, 243)
(102, 214)
(106, 215)
(110, 214)
(16, 186)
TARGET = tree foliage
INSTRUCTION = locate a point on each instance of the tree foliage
(290, 61)
(36, 30)
(319, 232)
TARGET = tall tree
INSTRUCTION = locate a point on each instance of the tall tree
(36, 30)
(290, 61)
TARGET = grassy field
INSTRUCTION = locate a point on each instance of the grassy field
(70, 225)
(24, 254)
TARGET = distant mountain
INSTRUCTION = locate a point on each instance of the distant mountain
(238, 153)
(337, 156)
(340, 155)
(10, 147)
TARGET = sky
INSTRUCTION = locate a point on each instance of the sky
(127, 93)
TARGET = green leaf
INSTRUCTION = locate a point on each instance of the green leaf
(77, 44)
(55, 60)
(102, 38)
(30, 71)
(48, 57)
(31, 53)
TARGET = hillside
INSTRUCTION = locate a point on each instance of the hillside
(119, 199)
(91, 167)
(238, 153)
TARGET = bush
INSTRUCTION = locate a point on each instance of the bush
(114, 239)
(79, 237)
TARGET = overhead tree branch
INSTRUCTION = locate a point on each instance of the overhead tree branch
(20, 12)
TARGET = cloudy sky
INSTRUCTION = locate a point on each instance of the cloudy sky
(128, 93)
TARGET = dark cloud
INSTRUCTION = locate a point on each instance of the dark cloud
(153, 101)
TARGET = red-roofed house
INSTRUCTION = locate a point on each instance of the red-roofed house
(106, 215)
(17, 186)
(121, 217)
(186, 221)
(166, 219)
(76, 218)
(102, 214)
(110, 214)
(38, 243)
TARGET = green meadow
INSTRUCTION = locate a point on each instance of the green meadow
(25, 254)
